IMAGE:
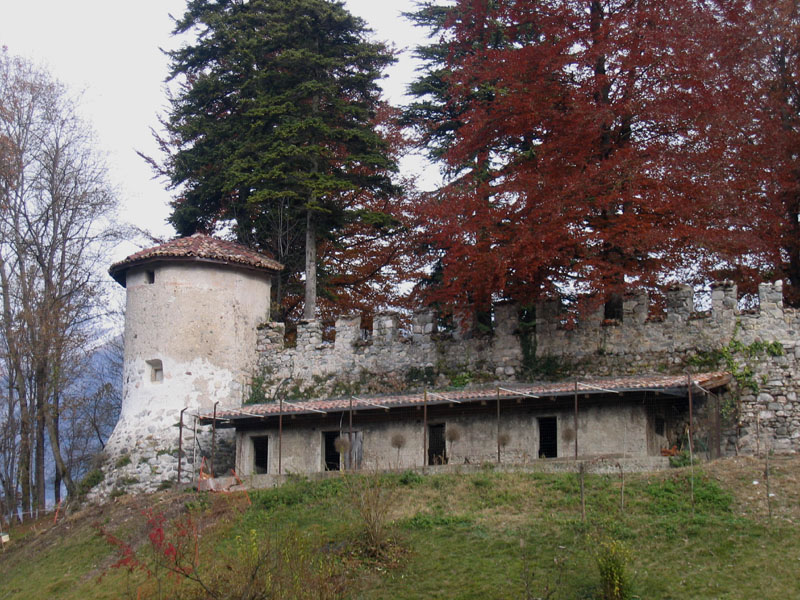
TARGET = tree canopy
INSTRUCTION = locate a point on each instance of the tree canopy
(587, 146)
(273, 130)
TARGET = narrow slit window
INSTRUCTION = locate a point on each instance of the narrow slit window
(151, 276)
(261, 455)
(156, 370)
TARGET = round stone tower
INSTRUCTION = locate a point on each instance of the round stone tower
(192, 311)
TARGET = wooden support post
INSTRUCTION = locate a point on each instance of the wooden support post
(214, 441)
(576, 419)
(425, 432)
(280, 435)
(717, 428)
(180, 445)
(194, 452)
(498, 426)
(350, 437)
(691, 437)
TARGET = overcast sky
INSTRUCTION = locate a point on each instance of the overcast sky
(109, 51)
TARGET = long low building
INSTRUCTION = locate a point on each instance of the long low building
(626, 417)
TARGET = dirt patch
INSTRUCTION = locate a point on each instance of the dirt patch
(746, 478)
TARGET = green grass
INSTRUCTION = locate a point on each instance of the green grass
(484, 536)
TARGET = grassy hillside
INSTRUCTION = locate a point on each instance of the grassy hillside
(485, 535)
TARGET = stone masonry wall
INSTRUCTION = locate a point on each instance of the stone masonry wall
(760, 347)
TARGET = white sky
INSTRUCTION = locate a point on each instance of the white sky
(109, 51)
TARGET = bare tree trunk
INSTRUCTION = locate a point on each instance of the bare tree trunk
(61, 467)
(57, 448)
(311, 267)
(310, 306)
(25, 461)
(40, 483)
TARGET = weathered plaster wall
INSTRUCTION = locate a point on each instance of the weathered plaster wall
(390, 360)
(611, 430)
(200, 321)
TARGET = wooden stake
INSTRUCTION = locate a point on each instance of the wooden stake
(581, 472)
(766, 482)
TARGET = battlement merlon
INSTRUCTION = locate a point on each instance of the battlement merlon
(680, 308)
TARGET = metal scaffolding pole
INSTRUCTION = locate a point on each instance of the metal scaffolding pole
(425, 432)
(498, 426)
(214, 441)
(576, 419)
(180, 445)
(280, 435)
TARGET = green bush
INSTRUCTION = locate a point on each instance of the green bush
(410, 478)
(612, 558)
(91, 479)
(681, 460)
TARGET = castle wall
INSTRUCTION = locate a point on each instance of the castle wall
(761, 348)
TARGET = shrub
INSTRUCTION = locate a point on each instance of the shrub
(398, 442)
(681, 459)
(372, 497)
(91, 479)
(410, 478)
(257, 567)
(612, 558)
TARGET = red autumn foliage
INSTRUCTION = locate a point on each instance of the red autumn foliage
(596, 145)
(768, 38)
(173, 548)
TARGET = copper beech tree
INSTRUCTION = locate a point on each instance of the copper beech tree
(768, 36)
(588, 146)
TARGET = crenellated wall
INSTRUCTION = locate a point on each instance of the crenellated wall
(388, 359)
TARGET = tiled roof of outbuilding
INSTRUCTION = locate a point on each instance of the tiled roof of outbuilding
(666, 384)
(200, 247)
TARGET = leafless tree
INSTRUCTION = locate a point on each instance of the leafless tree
(55, 209)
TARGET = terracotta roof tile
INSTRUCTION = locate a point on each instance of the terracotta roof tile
(615, 385)
(197, 246)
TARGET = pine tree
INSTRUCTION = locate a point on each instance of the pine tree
(273, 124)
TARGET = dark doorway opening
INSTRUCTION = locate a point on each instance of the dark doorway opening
(548, 437)
(260, 455)
(613, 308)
(332, 458)
(437, 452)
